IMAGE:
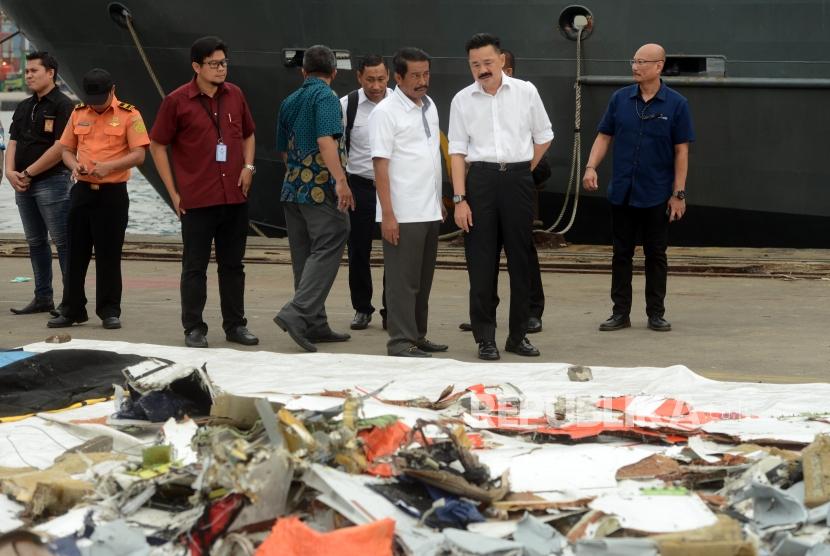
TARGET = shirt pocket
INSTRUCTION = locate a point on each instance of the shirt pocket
(83, 133)
(115, 136)
(235, 126)
(658, 126)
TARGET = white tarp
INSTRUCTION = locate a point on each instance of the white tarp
(262, 373)
(287, 377)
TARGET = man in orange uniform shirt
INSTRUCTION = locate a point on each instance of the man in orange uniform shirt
(102, 141)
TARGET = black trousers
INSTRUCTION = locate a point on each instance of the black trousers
(227, 227)
(97, 220)
(537, 292)
(360, 243)
(536, 306)
(502, 207)
(653, 224)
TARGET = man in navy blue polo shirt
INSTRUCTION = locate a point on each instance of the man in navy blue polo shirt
(650, 127)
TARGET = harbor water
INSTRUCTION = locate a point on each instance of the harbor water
(149, 214)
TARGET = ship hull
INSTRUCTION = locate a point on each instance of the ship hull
(757, 175)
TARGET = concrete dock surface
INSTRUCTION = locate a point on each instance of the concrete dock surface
(737, 314)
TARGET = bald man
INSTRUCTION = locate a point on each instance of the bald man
(650, 128)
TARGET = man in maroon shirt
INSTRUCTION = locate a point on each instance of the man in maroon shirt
(209, 128)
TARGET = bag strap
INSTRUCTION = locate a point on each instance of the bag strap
(351, 112)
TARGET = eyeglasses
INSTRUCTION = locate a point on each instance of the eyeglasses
(215, 64)
(638, 62)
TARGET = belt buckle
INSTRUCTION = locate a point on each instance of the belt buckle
(502, 166)
(94, 186)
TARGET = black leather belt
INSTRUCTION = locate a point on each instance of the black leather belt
(502, 166)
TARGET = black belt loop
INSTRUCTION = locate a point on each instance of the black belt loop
(354, 178)
(502, 166)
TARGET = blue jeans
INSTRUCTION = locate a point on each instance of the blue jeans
(43, 210)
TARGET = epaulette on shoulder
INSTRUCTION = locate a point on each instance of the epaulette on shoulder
(80, 105)
(126, 106)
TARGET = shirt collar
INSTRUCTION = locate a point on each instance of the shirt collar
(506, 81)
(312, 81)
(113, 105)
(661, 92)
(407, 102)
(361, 95)
(194, 91)
(51, 95)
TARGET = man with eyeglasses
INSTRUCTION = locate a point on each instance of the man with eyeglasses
(208, 126)
(650, 127)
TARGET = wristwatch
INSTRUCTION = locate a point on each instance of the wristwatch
(680, 194)
(252, 168)
(458, 198)
(26, 174)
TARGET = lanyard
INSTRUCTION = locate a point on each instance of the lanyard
(214, 120)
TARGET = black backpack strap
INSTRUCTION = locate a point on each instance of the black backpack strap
(351, 112)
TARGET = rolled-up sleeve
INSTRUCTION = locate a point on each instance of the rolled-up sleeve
(381, 133)
(68, 138)
(328, 116)
(541, 130)
(458, 136)
(164, 126)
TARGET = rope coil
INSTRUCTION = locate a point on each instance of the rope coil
(576, 156)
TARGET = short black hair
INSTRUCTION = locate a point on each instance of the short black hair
(406, 55)
(480, 40)
(370, 61)
(204, 47)
(47, 60)
(509, 59)
(319, 59)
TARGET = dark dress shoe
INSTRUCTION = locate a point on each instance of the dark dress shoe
(465, 327)
(488, 351)
(35, 306)
(111, 323)
(412, 351)
(426, 345)
(295, 334)
(523, 347)
(361, 321)
(241, 335)
(659, 324)
(63, 321)
(331, 337)
(615, 322)
(534, 325)
(195, 339)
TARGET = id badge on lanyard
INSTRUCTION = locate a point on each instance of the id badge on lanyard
(221, 147)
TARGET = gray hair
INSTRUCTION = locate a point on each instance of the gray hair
(319, 59)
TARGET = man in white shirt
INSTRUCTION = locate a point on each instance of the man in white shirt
(372, 75)
(499, 130)
(405, 139)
